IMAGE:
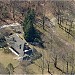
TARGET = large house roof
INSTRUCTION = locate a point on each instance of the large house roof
(17, 44)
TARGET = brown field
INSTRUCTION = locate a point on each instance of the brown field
(5, 59)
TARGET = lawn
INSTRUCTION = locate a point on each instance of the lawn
(5, 59)
(64, 35)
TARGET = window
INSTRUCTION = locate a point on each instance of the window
(20, 46)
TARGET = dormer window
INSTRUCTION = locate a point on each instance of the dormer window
(14, 39)
(20, 46)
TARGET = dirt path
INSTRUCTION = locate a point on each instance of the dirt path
(10, 25)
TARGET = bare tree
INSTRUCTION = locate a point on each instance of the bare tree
(2, 69)
(43, 17)
(72, 61)
(10, 68)
(67, 64)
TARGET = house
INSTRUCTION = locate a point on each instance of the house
(18, 46)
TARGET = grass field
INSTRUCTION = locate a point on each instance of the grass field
(64, 35)
(5, 59)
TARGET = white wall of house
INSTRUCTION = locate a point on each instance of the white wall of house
(13, 51)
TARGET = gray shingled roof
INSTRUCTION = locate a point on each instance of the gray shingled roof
(18, 45)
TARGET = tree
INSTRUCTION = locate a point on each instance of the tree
(10, 68)
(7, 70)
(72, 61)
(30, 16)
(43, 17)
(43, 22)
(2, 69)
(26, 20)
(31, 33)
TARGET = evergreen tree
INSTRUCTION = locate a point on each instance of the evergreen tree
(30, 16)
(31, 33)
